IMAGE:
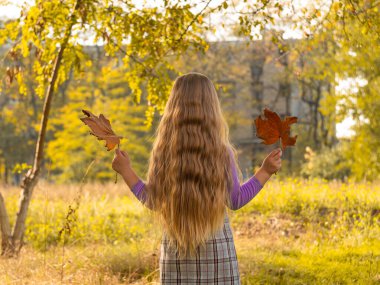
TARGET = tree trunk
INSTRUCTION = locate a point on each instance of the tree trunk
(31, 178)
(6, 173)
(316, 135)
(5, 228)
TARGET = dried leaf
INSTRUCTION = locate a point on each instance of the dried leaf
(271, 128)
(101, 128)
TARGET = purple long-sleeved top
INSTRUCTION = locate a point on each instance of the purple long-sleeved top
(240, 194)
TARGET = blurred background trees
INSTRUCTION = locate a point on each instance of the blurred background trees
(281, 54)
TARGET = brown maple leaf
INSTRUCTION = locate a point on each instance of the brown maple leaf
(101, 128)
(271, 128)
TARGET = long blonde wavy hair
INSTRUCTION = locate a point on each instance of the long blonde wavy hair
(189, 173)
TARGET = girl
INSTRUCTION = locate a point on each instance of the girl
(192, 178)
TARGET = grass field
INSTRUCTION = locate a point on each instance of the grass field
(293, 232)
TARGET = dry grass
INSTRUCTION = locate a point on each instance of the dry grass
(293, 232)
(93, 264)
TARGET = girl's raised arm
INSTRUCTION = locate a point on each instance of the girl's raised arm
(139, 190)
(242, 194)
(122, 164)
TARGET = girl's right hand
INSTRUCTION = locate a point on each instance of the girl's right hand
(272, 163)
(121, 161)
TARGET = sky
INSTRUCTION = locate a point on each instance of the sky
(348, 86)
(343, 129)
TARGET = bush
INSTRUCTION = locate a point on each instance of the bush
(329, 163)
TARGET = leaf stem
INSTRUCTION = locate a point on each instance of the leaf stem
(279, 142)
(118, 147)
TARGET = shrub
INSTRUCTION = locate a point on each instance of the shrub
(329, 163)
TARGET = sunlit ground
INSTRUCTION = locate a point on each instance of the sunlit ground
(293, 232)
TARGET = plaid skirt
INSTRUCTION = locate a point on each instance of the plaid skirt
(215, 263)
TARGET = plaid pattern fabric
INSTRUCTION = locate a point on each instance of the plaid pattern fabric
(216, 263)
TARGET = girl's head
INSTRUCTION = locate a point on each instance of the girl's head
(189, 168)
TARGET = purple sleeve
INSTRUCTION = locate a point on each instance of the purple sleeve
(242, 194)
(139, 191)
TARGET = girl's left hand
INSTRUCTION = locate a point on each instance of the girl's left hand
(121, 161)
(272, 163)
